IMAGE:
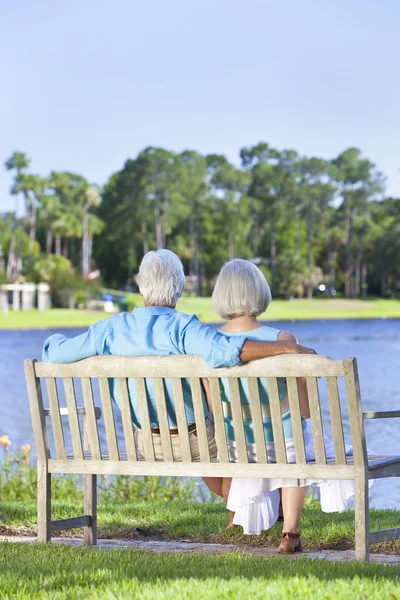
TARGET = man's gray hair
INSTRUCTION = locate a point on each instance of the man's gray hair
(161, 278)
(241, 290)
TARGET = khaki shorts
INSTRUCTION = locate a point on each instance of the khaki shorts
(176, 447)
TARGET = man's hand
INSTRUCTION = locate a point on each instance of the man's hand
(295, 348)
(298, 349)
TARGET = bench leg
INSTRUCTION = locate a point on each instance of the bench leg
(44, 504)
(90, 508)
(361, 511)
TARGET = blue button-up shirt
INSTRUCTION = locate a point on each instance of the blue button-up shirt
(150, 331)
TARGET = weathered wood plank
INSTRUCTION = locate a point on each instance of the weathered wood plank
(355, 412)
(37, 411)
(382, 414)
(90, 419)
(336, 420)
(258, 422)
(44, 502)
(163, 422)
(203, 469)
(201, 430)
(90, 508)
(384, 535)
(361, 496)
(297, 421)
(361, 514)
(316, 419)
(144, 416)
(392, 470)
(179, 404)
(109, 422)
(238, 424)
(126, 417)
(58, 432)
(73, 418)
(73, 523)
(192, 366)
(219, 422)
(276, 418)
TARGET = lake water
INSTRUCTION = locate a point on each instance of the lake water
(375, 343)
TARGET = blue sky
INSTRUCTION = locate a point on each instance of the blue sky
(87, 83)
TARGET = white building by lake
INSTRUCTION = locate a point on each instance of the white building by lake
(25, 296)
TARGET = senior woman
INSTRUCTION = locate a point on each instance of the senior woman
(159, 330)
(240, 295)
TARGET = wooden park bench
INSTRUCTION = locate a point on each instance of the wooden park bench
(89, 459)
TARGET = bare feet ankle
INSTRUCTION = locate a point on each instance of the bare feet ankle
(231, 523)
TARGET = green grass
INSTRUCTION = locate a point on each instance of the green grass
(293, 310)
(56, 318)
(200, 522)
(59, 571)
(64, 572)
(280, 310)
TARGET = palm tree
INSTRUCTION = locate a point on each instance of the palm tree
(60, 182)
(17, 162)
(91, 225)
(32, 188)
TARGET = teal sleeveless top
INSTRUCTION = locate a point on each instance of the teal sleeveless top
(263, 334)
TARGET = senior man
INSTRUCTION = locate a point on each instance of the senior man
(159, 330)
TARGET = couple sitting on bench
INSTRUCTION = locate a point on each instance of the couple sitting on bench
(241, 294)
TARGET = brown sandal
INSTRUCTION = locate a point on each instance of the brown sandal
(290, 543)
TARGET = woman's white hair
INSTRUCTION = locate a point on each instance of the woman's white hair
(161, 278)
(241, 290)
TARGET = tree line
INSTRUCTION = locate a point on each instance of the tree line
(303, 220)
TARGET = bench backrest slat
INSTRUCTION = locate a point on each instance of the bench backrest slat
(91, 430)
(163, 419)
(237, 416)
(144, 418)
(336, 420)
(58, 433)
(219, 423)
(37, 411)
(73, 418)
(199, 416)
(257, 419)
(355, 411)
(109, 422)
(126, 416)
(181, 419)
(297, 424)
(276, 418)
(316, 419)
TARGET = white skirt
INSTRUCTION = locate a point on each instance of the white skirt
(255, 501)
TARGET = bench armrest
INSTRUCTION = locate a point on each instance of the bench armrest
(385, 414)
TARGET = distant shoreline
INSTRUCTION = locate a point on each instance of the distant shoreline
(280, 310)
